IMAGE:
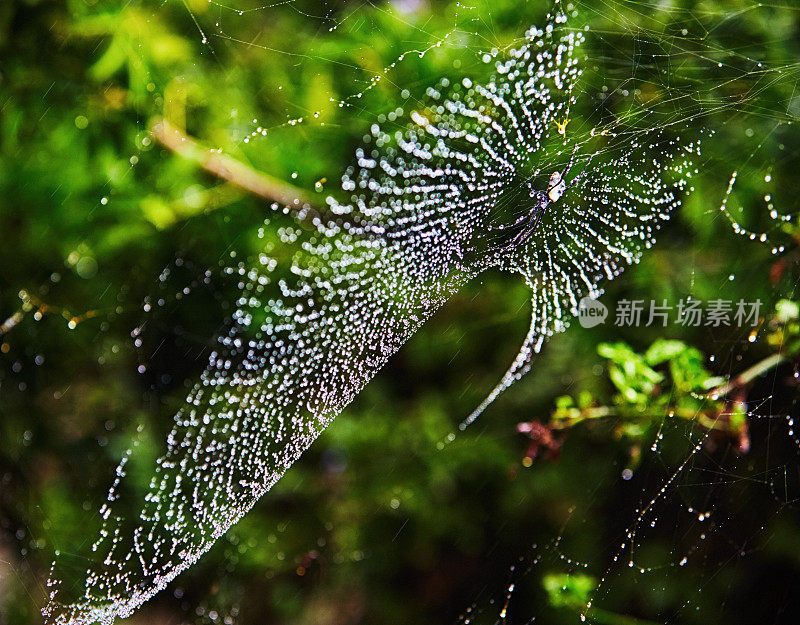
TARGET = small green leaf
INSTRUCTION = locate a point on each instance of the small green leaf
(565, 401)
(714, 382)
(663, 350)
(787, 310)
(568, 591)
(618, 352)
(585, 399)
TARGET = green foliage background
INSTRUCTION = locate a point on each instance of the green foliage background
(380, 522)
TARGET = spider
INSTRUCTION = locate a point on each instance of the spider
(542, 201)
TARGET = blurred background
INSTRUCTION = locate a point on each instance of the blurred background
(112, 245)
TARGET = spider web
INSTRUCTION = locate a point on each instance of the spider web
(412, 233)
(377, 264)
(689, 521)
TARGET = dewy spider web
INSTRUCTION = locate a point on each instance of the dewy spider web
(420, 221)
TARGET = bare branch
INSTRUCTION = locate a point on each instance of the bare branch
(748, 375)
(228, 168)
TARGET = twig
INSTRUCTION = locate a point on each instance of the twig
(31, 302)
(228, 168)
(748, 375)
(565, 419)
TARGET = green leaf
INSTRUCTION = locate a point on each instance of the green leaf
(787, 310)
(565, 401)
(618, 352)
(570, 591)
(663, 350)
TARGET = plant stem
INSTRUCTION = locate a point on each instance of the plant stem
(228, 168)
(748, 375)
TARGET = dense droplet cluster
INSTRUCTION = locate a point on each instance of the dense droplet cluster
(436, 195)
